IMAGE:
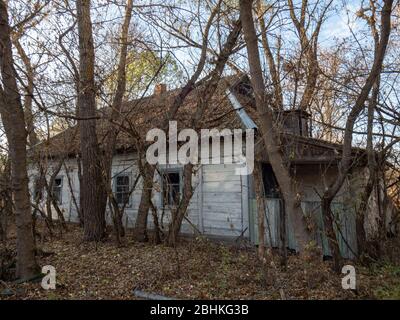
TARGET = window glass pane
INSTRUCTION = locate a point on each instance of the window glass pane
(58, 182)
(171, 188)
(123, 180)
(173, 177)
(122, 189)
(122, 198)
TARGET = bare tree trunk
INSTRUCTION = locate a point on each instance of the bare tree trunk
(6, 207)
(3, 225)
(282, 234)
(117, 211)
(309, 47)
(119, 230)
(29, 119)
(12, 115)
(111, 138)
(269, 130)
(140, 233)
(360, 217)
(329, 222)
(359, 106)
(39, 186)
(273, 68)
(208, 92)
(362, 245)
(179, 213)
(157, 228)
(141, 219)
(259, 190)
(92, 190)
(80, 178)
(51, 202)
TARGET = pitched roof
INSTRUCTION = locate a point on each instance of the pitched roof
(222, 112)
(147, 113)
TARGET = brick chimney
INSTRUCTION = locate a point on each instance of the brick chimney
(160, 88)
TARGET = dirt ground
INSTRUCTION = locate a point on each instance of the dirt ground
(196, 269)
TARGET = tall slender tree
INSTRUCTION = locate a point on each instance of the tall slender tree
(207, 93)
(92, 188)
(13, 118)
(357, 108)
(109, 146)
(268, 129)
(149, 170)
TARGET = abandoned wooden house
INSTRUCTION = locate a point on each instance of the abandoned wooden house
(223, 204)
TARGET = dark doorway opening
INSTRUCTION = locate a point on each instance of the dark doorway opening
(271, 187)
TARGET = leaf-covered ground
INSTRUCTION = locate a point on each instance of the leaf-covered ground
(196, 269)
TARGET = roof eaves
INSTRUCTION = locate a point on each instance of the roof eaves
(240, 111)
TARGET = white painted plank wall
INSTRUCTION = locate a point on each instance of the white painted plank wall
(220, 200)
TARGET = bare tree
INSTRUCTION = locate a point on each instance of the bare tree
(13, 118)
(206, 93)
(92, 188)
(269, 132)
(6, 207)
(149, 170)
(359, 106)
(110, 141)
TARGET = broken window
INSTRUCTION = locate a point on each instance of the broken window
(57, 190)
(171, 187)
(122, 189)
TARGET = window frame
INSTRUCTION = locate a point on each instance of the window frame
(164, 171)
(115, 186)
(60, 198)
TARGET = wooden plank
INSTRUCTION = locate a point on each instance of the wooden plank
(245, 205)
(222, 186)
(224, 176)
(222, 232)
(252, 220)
(271, 222)
(222, 197)
(224, 207)
(345, 220)
(200, 200)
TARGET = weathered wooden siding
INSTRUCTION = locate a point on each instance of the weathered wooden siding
(222, 190)
(344, 226)
(218, 206)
